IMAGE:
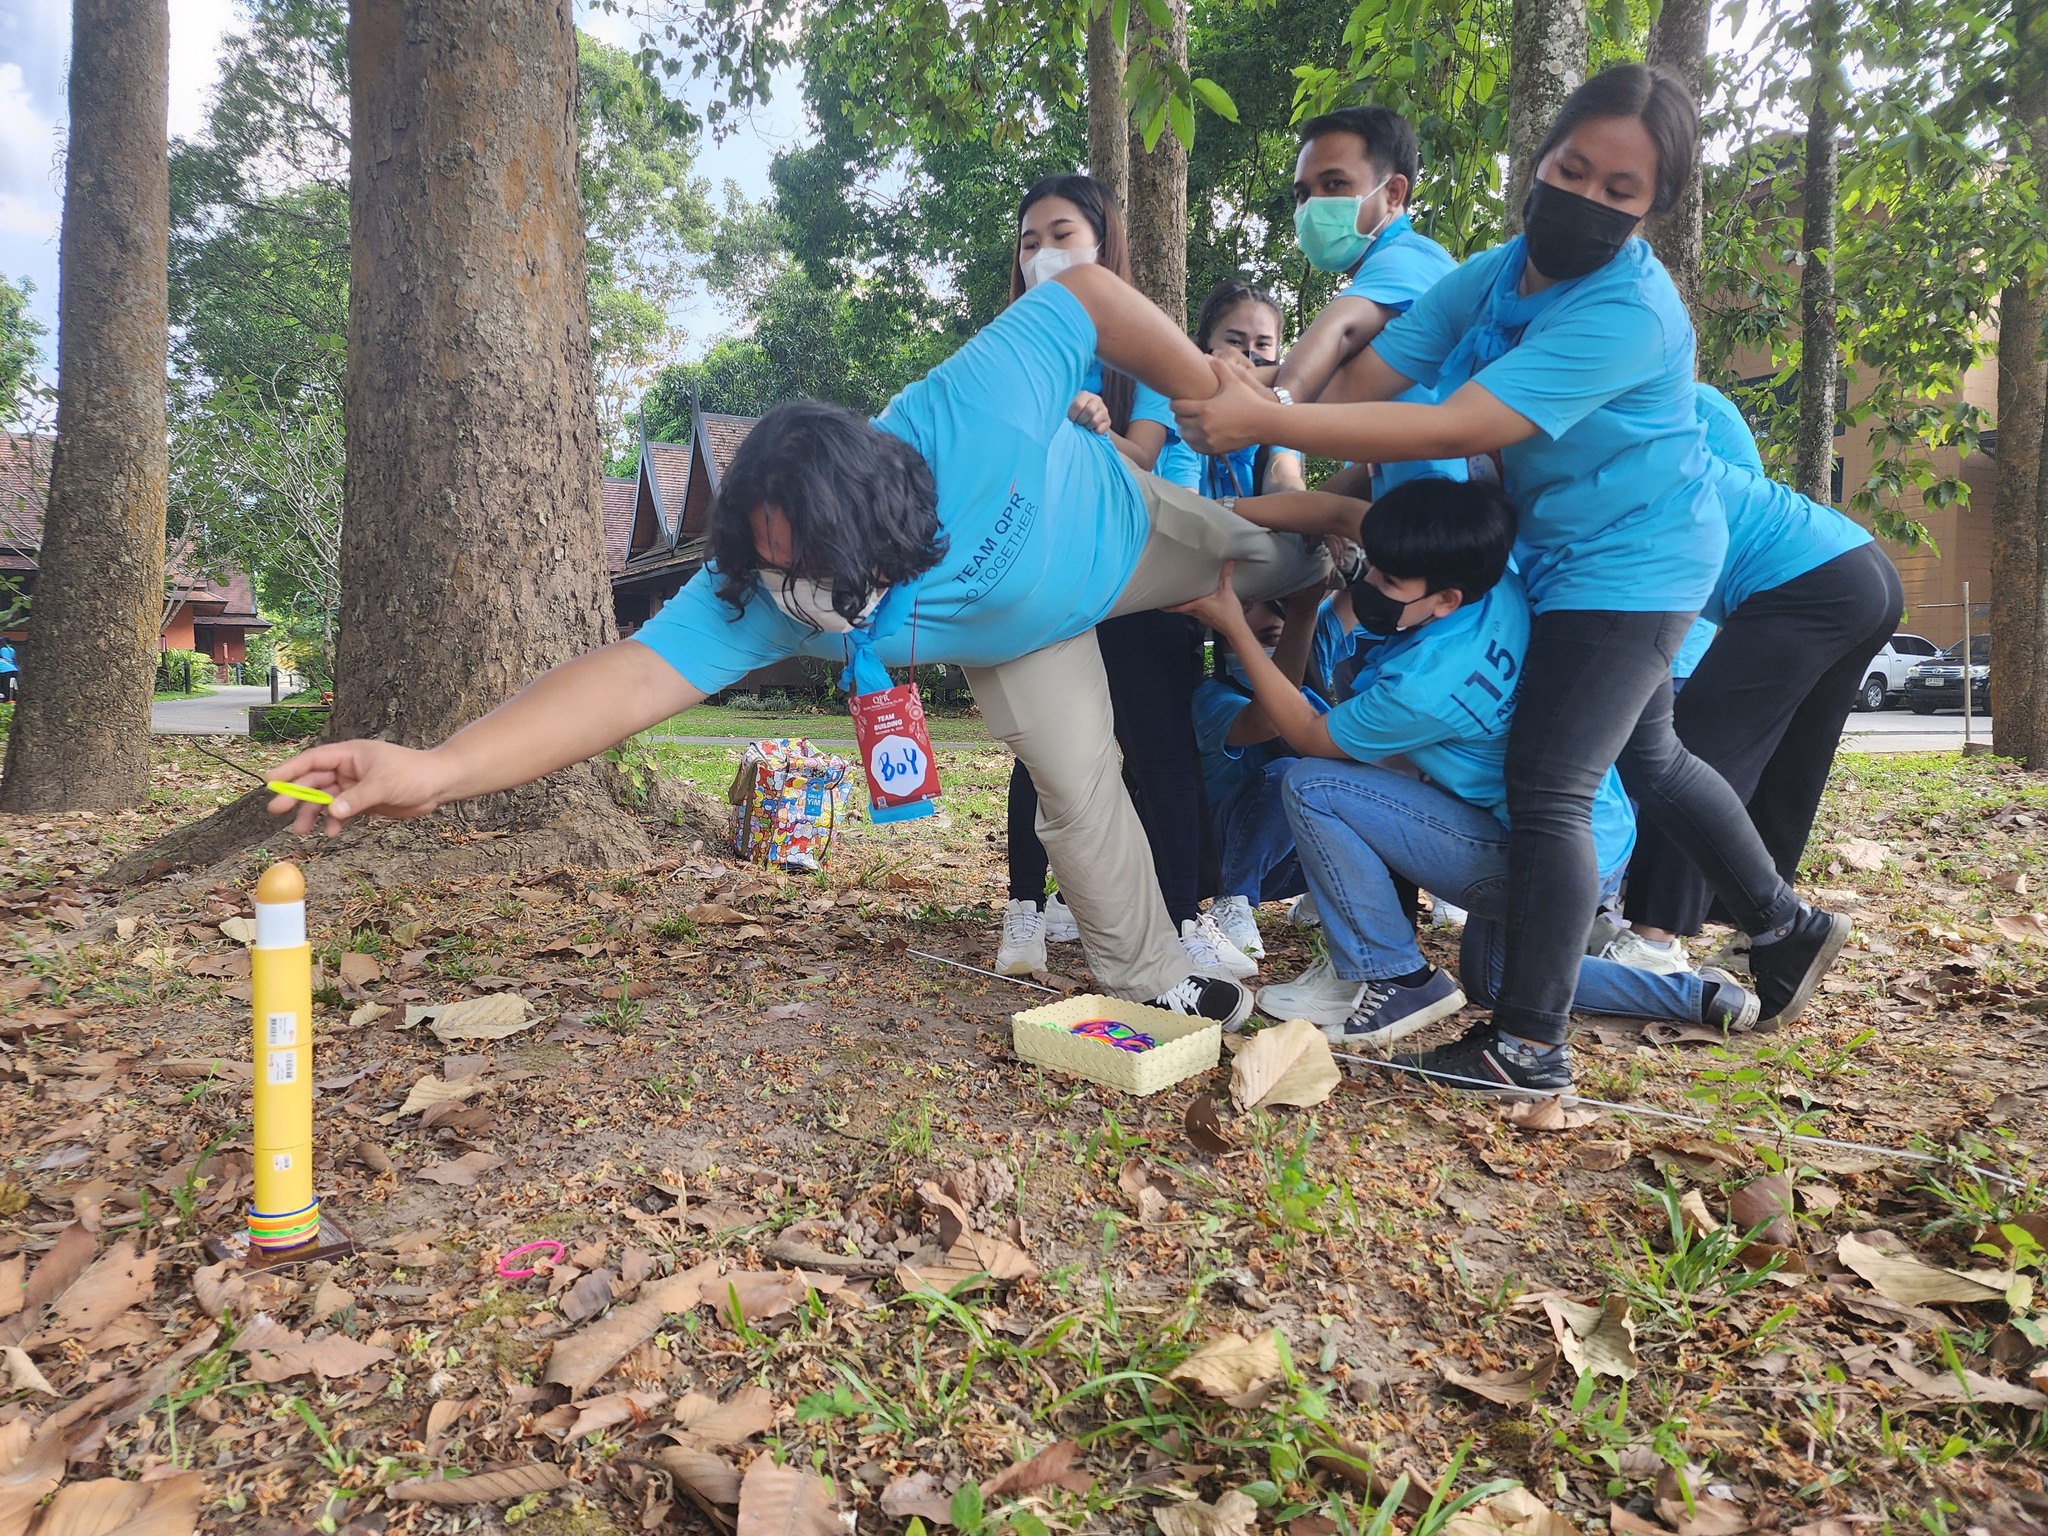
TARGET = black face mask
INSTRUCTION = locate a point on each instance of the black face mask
(1568, 235)
(1377, 613)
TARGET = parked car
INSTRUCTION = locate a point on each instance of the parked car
(1888, 668)
(1938, 684)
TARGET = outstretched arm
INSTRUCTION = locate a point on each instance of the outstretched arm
(1347, 323)
(1134, 335)
(563, 716)
(1291, 655)
(1315, 513)
(1292, 715)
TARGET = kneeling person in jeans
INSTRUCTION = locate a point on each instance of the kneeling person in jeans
(1407, 778)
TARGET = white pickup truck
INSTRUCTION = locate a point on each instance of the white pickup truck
(1885, 679)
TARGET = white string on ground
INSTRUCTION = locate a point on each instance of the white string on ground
(1643, 1111)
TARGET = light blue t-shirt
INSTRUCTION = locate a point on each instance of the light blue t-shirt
(1336, 653)
(1214, 475)
(1694, 646)
(1774, 534)
(1399, 267)
(1443, 696)
(1615, 512)
(1042, 519)
(1225, 767)
(7, 659)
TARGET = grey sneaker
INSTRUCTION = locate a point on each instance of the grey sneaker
(1729, 1005)
(1060, 927)
(1318, 994)
(1632, 949)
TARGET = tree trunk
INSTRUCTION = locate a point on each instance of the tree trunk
(1547, 62)
(1819, 366)
(1678, 42)
(1157, 213)
(1109, 143)
(80, 738)
(472, 554)
(2019, 518)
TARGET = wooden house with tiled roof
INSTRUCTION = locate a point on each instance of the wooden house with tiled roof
(671, 513)
(212, 613)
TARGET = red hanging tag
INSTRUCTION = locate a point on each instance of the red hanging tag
(896, 752)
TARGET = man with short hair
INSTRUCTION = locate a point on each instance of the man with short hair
(972, 522)
(1352, 182)
(1406, 779)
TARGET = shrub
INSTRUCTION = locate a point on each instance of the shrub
(172, 668)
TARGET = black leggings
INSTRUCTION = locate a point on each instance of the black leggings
(1154, 661)
(1765, 710)
(1596, 690)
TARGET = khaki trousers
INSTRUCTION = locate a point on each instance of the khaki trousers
(1052, 708)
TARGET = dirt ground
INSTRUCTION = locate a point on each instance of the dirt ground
(769, 1139)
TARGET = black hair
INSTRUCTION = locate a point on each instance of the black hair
(1112, 250)
(1451, 533)
(1657, 99)
(861, 503)
(1389, 137)
(1225, 297)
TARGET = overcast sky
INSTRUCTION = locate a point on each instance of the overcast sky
(35, 47)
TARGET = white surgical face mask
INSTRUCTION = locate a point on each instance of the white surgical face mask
(810, 603)
(1053, 260)
(1269, 650)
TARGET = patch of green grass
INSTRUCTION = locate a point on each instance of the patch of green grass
(830, 724)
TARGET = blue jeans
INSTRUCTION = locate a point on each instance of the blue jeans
(1357, 826)
(1255, 842)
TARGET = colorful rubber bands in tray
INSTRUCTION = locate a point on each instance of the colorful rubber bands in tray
(1120, 1035)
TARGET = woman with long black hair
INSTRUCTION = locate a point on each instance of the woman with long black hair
(1568, 352)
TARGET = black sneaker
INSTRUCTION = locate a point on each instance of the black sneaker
(1386, 1010)
(1787, 970)
(1728, 1005)
(1483, 1060)
(1209, 997)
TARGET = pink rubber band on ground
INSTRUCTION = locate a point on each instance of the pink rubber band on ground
(528, 1274)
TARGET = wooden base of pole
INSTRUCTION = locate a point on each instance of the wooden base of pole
(331, 1242)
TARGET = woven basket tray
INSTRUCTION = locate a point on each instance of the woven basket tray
(1186, 1045)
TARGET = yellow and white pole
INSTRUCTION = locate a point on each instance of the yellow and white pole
(284, 1214)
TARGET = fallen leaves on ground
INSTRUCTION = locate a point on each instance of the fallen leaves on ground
(276, 1353)
(786, 1501)
(582, 1358)
(1597, 1341)
(475, 1018)
(1287, 1064)
(1234, 1514)
(1898, 1274)
(484, 1487)
(1523, 1385)
(1231, 1365)
(1516, 1512)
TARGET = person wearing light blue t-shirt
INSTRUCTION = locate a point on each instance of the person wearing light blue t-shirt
(1245, 319)
(1352, 182)
(10, 672)
(1805, 599)
(1153, 660)
(972, 523)
(1568, 352)
(1405, 780)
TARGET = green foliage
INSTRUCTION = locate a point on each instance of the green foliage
(20, 347)
(175, 668)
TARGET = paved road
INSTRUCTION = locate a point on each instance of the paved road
(1900, 730)
(220, 713)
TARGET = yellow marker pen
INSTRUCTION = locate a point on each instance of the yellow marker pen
(300, 792)
(284, 1214)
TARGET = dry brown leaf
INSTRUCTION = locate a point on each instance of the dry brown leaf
(1601, 1156)
(1052, 1467)
(464, 1171)
(13, 1275)
(1229, 1364)
(483, 1487)
(950, 1215)
(1232, 1515)
(1598, 1341)
(717, 914)
(431, 1090)
(1550, 1114)
(588, 1296)
(241, 929)
(2026, 928)
(1861, 853)
(61, 1264)
(1626, 1522)
(1205, 1129)
(20, 1373)
(721, 1216)
(1511, 1387)
(444, 1413)
(762, 1294)
(119, 1280)
(710, 1423)
(1517, 1512)
(580, 1360)
(111, 1506)
(787, 1501)
(1147, 1198)
(278, 1354)
(1881, 1259)
(1944, 1387)
(919, 1494)
(706, 1473)
(330, 1298)
(1709, 1516)
(359, 970)
(613, 1409)
(24, 1484)
(1287, 1064)
(1765, 1203)
(476, 1018)
(998, 1258)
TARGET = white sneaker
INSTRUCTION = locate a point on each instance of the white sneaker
(1318, 994)
(1060, 927)
(1237, 922)
(1631, 949)
(1444, 914)
(1023, 948)
(1212, 953)
(1303, 914)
